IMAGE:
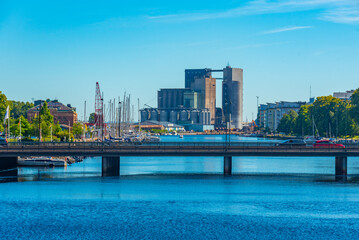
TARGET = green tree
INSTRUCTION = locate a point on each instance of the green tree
(3, 106)
(56, 129)
(45, 114)
(19, 108)
(344, 121)
(47, 120)
(63, 134)
(288, 122)
(77, 130)
(325, 112)
(26, 127)
(354, 111)
(92, 118)
(303, 121)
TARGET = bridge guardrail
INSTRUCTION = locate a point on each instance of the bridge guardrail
(163, 147)
(242, 143)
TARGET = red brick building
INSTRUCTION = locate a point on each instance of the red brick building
(63, 114)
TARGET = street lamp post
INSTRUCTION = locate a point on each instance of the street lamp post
(159, 112)
(102, 120)
(225, 117)
(258, 117)
(40, 121)
(119, 118)
(228, 121)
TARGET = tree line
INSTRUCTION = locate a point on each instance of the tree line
(30, 130)
(327, 116)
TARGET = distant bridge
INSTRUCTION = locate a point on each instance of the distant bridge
(111, 152)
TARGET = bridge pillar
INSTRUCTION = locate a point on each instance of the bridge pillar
(111, 166)
(8, 166)
(227, 165)
(341, 168)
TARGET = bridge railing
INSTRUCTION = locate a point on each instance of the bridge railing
(241, 143)
(98, 144)
(238, 146)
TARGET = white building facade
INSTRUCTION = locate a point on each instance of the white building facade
(343, 95)
(270, 114)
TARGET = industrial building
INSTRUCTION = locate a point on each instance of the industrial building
(232, 96)
(203, 87)
(195, 105)
(170, 98)
(187, 117)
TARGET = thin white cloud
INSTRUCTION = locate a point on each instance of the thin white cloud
(256, 45)
(342, 11)
(342, 15)
(286, 29)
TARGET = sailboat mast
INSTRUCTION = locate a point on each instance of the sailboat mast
(313, 125)
(8, 125)
(119, 116)
(138, 116)
(20, 127)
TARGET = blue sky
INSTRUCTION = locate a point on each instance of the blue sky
(60, 49)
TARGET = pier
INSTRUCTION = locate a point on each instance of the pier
(111, 153)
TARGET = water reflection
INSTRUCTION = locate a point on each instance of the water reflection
(246, 166)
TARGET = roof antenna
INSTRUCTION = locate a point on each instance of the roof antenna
(228, 65)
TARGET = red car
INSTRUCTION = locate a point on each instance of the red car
(327, 144)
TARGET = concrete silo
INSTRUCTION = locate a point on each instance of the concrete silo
(154, 115)
(164, 116)
(232, 96)
(184, 115)
(173, 116)
(194, 116)
(202, 117)
(144, 115)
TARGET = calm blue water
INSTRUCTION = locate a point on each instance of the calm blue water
(183, 198)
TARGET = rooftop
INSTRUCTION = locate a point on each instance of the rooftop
(54, 105)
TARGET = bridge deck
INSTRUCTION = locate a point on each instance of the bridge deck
(169, 149)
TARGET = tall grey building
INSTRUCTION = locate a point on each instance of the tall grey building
(192, 74)
(232, 96)
(201, 82)
(170, 98)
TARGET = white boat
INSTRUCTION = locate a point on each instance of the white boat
(42, 162)
(151, 139)
(181, 136)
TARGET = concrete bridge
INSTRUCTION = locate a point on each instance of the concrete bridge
(111, 152)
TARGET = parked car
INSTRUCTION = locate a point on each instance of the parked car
(292, 142)
(3, 141)
(327, 144)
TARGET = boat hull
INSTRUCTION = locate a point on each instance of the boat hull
(41, 163)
